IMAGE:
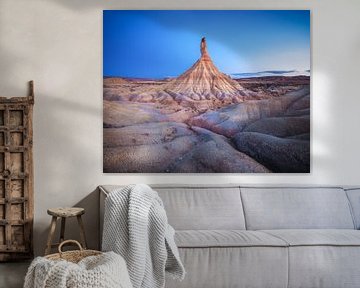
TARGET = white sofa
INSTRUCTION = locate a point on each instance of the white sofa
(264, 237)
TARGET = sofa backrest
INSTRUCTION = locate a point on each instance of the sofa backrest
(203, 208)
(296, 208)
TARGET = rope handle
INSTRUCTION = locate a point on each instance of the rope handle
(69, 241)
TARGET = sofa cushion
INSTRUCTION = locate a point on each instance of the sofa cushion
(323, 258)
(199, 207)
(296, 208)
(314, 237)
(226, 238)
(324, 266)
(220, 267)
(191, 208)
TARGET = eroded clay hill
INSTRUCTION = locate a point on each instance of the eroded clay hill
(201, 87)
(203, 81)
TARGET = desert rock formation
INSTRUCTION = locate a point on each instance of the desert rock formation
(230, 120)
(201, 87)
(203, 81)
(283, 155)
(172, 147)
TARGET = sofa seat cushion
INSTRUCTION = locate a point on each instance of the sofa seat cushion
(235, 267)
(317, 237)
(322, 258)
(225, 238)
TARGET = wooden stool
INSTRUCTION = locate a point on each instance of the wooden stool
(64, 213)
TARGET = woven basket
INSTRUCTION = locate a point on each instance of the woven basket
(72, 256)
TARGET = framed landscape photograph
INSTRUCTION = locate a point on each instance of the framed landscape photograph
(206, 91)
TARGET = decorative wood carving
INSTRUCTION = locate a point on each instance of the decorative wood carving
(16, 177)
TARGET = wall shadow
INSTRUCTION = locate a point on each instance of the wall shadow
(91, 222)
(65, 158)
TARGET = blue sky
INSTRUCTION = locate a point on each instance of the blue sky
(159, 43)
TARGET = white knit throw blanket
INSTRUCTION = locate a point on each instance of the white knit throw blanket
(136, 227)
(103, 271)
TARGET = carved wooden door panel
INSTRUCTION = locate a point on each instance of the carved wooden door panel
(16, 178)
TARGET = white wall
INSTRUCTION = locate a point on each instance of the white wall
(59, 45)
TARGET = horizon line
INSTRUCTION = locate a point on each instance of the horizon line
(235, 73)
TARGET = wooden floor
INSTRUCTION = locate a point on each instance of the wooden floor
(12, 274)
